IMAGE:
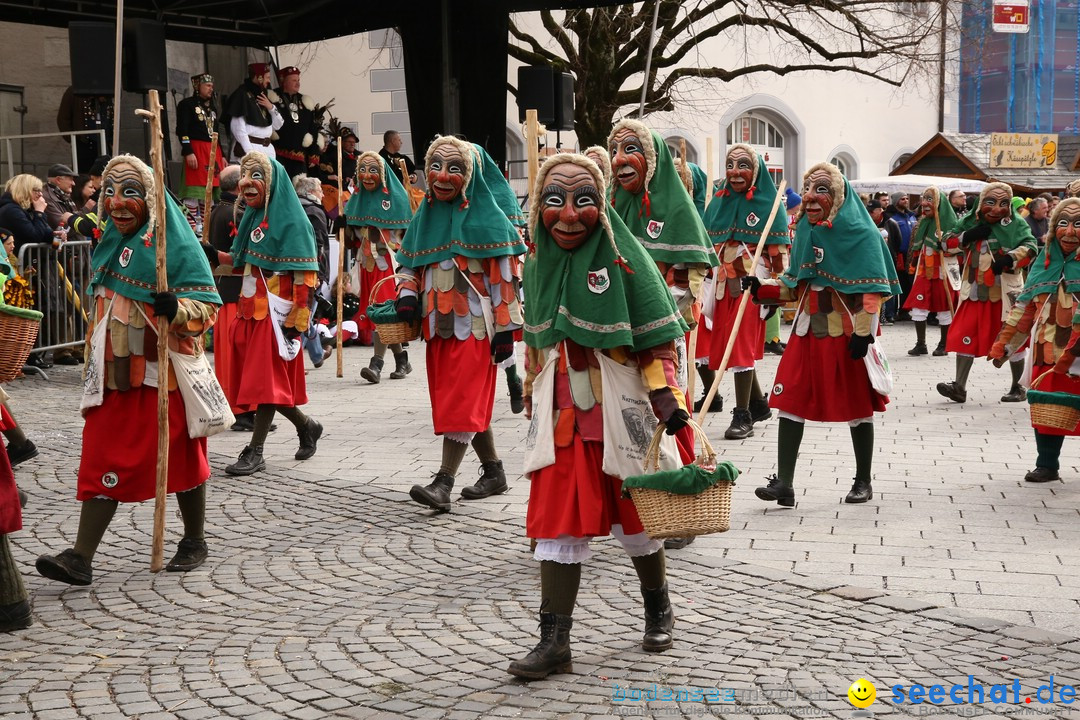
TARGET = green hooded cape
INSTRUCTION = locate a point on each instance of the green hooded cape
(385, 207)
(287, 238)
(700, 181)
(926, 230)
(1008, 234)
(1043, 277)
(478, 228)
(663, 217)
(853, 257)
(127, 265)
(501, 190)
(585, 296)
(738, 216)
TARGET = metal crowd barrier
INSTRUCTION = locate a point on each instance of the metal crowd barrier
(59, 278)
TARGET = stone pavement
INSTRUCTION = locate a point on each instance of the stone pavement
(329, 594)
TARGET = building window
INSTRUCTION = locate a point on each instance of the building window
(847, 164)
(764, 137)
(900, 160)
(674, 142)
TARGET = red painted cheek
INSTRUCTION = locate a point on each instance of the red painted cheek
(589, 216)
(458, 181)
(550, 216)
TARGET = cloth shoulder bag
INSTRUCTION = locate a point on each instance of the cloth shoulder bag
(540, 442)
(877, 362)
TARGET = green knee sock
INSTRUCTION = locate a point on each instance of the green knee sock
(559, 584)
(772, 327)
(920, 332)
(1049, 447)
(707, 376)
(94, 520)
(755, 390)
(651, 569)
(511, 373)
(744, 385)
(862, 439)
(963, 369)
(294, 414)
(193, 511)
(1016, 369)
(15, 436)
(264, 416)
(788, 439)
(484, 445)
(12, 589)
(453, 453)
(380, 347)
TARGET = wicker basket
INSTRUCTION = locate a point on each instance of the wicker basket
(18, 330)
(667, 515)
(1049, 410)
(396, 332)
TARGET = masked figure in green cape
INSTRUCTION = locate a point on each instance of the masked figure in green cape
(1046, 318)
(931, 291)
(839, 275)
(595, 299)
(735, 220)
(378, 214)
(274, 251)
(995, 243)
(651, 199)
(462, 255)
(119, 402)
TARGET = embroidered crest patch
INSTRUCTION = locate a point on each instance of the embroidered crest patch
(257, 235)
(778, 388)
(920, 297)
(599, 282)
(654, 228)
(967, 340)
(752, 219)
(819, 254)
(110, 480)
(125, 257)
(385, 204)
(1006, 221)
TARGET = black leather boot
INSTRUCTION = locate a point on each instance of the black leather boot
(492, 482)
(250, 462)
(435, 495)
(939, 351)
(1016, 393)
(309, 438)
(190, 554)
(20, 453)
(860, 492)
(776, 491)
(659, 619)
(1041, 475)
(759, 409)
(742, 425)
(952, 391)
(551, 654)
(69, 567)
(517, 397)
(402, 366)
(16, 616)
(373, 371)
(678, 543)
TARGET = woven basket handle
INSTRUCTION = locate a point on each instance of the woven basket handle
(1035, 385)
(377, 285)
(705, 459)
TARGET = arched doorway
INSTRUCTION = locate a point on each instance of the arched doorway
(674, 142)
(768, 125)
(844, 158)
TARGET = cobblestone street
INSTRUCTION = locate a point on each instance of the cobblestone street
(329, 594)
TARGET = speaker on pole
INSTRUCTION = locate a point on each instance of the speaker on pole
(92, 46)
(536, 91)
(144, 56)
(564, 101)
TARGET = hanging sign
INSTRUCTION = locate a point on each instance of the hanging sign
(1011, 16)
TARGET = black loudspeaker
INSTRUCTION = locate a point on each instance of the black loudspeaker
(536, 92)
(144, 56)
(92, 46)
(564, 101)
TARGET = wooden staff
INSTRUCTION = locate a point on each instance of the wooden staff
(691, 345)
(742, 306)
(708, 170)
(340, 265)
(941, 264)
(210, 168)
(532, 137)
(153, 115)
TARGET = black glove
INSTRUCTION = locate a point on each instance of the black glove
(292, 333)
(770, 311)
(1001, 263)
(211, 255)
(751, 283)
(339, 224)
(407, 307)
(977, 233)
(502, 345)
(165, 305)
(676, 421)
(858, 345)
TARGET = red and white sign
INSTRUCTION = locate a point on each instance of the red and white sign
(1011, 16)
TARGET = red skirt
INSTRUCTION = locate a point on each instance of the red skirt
(196, 177)
(461, 384)
(930, 295)
(575, 497)
(386, 291)
(119, 451)
(1057, 382)
(223, 352)
(10, 512)
(975, 327)
(258, 374)
(818, 380)
(749, 343)
(704, 342)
